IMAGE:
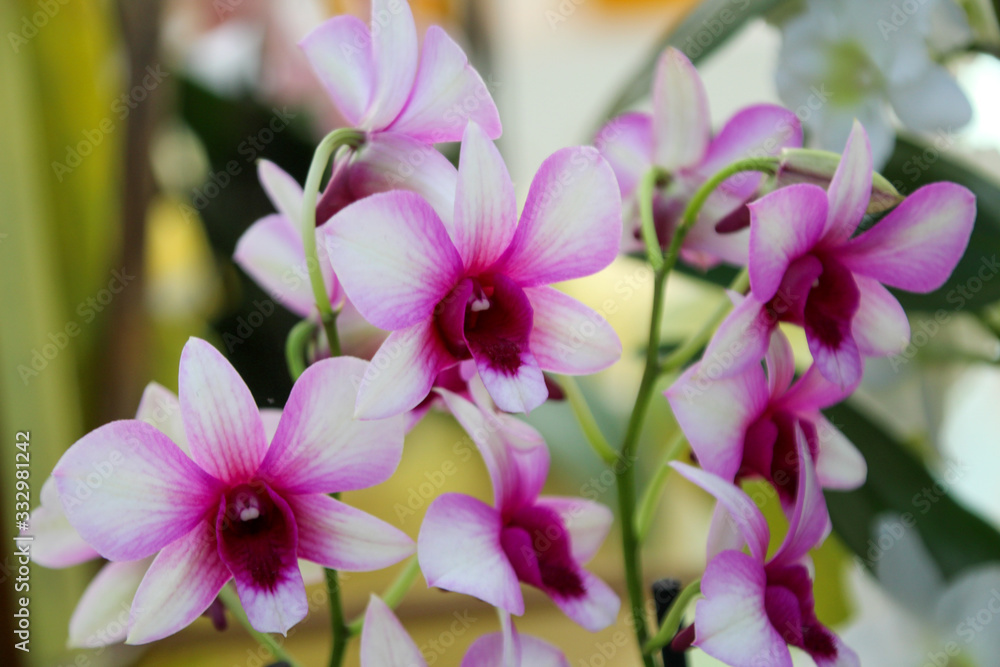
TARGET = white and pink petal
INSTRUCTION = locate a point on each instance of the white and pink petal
(568, 337)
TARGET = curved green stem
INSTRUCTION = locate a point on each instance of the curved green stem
(585, 418)
(341, 634)
(295, 347)
(231, 601)
(647, 188)
(392, 595)
(651, 497)
(668, 629)
(327, 147)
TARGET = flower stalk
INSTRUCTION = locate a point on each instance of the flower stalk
(668, 629)
(231, 601)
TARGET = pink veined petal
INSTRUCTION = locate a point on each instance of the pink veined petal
(916, 246)
(394, 57)
(780, 362)
(129, 491)
(596, 609)
(283, 191)
(755, 131)
(271, 253)
(784, 225)
(101, 615)
(485, 207)
(263, 563)
(180, 584)
(839, 464)
(626, 142)
(740, 341)
(842, 364)
(850, 188)
(447, 94)
(680, 112)
(731, 623)
(741, 508)
(812, 392)
(539, 653)
(520, 391)
(342, 537)
(571, 225)
(723, 533)
(221, 420)
(56, 544)
(568, 337)
(340, 52)
(880, 326)
(402, 372)
(459, 550)
(384, 640)
(393, 161)
(160, 407)
(809, 524)
(586, 521)
(497, 649)
(715, 414)
(319, 446)
(514, 453)
(393, 257)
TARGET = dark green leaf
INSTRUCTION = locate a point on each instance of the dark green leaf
(899, 483)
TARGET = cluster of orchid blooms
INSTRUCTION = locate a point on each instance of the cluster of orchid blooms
(203, 488)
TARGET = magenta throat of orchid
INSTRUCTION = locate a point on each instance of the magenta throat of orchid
(255, 532)
(537, 544)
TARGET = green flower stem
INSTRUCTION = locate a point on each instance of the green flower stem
(673, 620)
(231, 601)
(341, 634)
(685, 352)
(327, 147)
(392, 595)
(651, 497)
(295, 347)
(661, 270)
(585, 418)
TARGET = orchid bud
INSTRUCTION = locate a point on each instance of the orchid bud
(805, 165)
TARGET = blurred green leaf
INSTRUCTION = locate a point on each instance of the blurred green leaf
(898, 483)
(706, 27)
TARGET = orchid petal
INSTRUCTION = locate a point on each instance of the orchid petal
(596, 609)
(841, 364)
(850, 188)
(129, 491)
(340, 52)
(270, 417)
(568, 337)
(812, 392)
(393, 258)
(183, 580)
(101, 615)
(319, 446)
(626, 142)
(784, 225)
(931, 101)
(839, 464)
(221, 420)
(586, 521)
(394, 60)
(742, 510)
(341, 537)
(716, 413)
(384, 640)
(880, 326)
(571, 225)
(741, 340)
(392, 161)
(780, 362)
(447, 94)
(918, 245)
(522, 390)
(680, 112)
(160, 407)
(723, 533)
(283, 191)
(56, 544)
(489, 651)
(271, 253)
(459, 550)
(485, 207)
(809, 524)
(514, 453)
(731, 623)
(402, 372)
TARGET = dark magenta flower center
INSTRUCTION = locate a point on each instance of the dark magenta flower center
(537, 544)
(770, 451)
(256, 534)
(790, 607)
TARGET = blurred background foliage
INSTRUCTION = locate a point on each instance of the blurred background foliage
(128, 146)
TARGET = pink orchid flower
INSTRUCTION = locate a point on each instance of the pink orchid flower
(744, 425)
(478, 287)
(385, 643)
(808, 267)
(237, 507)
(677, 138)
(101, 615)
(404, 104)
(468, 547)
(753, 608)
